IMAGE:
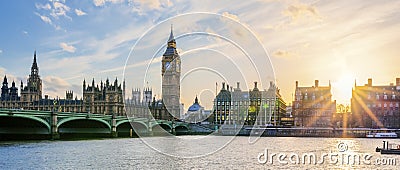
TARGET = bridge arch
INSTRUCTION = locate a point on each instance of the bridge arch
(160, 128)
(83, 127)
(181, 129)
(121, 122)
(130, 121)
(29, 130)
(163, 125)
(123, 128)
(65, 120)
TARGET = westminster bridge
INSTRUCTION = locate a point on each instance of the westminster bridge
(28, 123)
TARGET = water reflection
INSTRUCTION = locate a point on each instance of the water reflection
(134, 154)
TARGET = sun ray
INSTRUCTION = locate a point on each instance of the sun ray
(367, 110)
(316, 115)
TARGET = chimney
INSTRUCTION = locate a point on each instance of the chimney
(223, 85)
(397, 81)
(369, 82)
(255, 84)
(297, 84)
(270, 84)
(238, 85)
(227, 87)
(316, 83)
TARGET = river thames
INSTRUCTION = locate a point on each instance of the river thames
(134, 153)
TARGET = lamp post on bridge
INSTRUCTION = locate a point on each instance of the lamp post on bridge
(114, 133)
(173, 130)
(53, 122)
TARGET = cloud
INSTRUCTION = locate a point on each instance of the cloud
(79, 12)
(45, 19)
(68, 48)
(231, 16)
(234, 28)
(134, 65)
(40, 6)
(299, 11)
(142, 6)
(59, 9)
(55, 9)
(284, 54)
(25, 32)
(10, 77)
(55, 86)
(99, 2)
(1, 51)
(150, 4)
(115, 1)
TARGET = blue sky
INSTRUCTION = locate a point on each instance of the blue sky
(337, 41)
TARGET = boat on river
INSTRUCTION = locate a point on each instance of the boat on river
(381, 135)
(389, 148)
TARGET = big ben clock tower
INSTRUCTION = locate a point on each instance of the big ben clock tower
(171, 75)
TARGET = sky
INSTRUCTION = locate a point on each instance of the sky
(262, 40)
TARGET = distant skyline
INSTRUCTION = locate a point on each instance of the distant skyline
(337, 41)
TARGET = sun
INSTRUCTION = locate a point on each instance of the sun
(342, 88)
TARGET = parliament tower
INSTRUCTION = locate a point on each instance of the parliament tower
(171, 73)
(33, 90)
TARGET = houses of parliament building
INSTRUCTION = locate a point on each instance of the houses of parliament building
(106, 99)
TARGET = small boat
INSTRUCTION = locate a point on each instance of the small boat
(381, 135)
(389, 148)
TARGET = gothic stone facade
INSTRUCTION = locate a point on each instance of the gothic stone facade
(168, 107)
(31, 95)
(106, 99)
(171, 73)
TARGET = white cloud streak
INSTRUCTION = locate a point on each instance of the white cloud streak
(55, 86)
(79, 12)
(284, 54)
(68, 48)
(99, 2)
(40, 6)
(45, 19)
(60, 9)
(298, 11)
(231, 16)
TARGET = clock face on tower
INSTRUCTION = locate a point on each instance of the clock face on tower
(167, 64)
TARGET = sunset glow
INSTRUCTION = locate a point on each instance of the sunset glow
(341, 89)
